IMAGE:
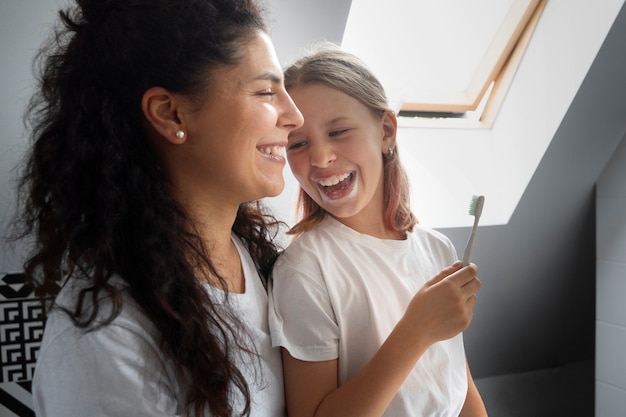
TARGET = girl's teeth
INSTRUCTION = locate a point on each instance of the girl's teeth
(328, 182)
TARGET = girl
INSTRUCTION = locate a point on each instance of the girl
(367, 304)
(157, 126)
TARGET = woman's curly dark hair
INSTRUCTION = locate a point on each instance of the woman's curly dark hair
(95, 198)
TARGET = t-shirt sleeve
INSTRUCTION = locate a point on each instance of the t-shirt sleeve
(301, 316)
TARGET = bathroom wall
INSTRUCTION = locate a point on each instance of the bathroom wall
(611, 287)
(537, 307)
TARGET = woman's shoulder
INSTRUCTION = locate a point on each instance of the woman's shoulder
(129, 333)
(119, 311)
(121, 357)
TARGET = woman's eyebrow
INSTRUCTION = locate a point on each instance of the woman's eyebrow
(271, 76)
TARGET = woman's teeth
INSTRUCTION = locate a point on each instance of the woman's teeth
(273, 150)
(329, 182)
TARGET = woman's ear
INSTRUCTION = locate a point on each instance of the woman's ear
(160, 108)
(390, 128)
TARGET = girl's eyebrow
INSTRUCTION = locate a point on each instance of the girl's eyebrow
(337, 120)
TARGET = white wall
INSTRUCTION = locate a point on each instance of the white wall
(611, 288)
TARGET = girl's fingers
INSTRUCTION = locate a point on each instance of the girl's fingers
(445, 273)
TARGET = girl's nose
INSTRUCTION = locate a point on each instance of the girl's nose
(322, 155)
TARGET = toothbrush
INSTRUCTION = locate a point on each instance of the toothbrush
(475, 209)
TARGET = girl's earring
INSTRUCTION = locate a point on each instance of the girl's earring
(180, 134)
(390, 151)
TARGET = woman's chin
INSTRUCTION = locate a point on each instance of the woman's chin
(274, 188)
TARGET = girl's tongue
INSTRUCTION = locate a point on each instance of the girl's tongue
(340, 189)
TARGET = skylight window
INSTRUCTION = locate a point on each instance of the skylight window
(453, 71)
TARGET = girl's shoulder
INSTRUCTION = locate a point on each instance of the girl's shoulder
(433, 241)
(426, 232)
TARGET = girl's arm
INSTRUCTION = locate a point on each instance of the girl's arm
(441, 309)
(312, 387)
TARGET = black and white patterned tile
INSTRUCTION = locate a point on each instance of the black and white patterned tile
(22, 321)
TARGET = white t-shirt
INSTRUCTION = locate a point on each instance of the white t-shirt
(119, 370)
(337, 294)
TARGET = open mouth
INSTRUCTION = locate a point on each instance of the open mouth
(337, 186)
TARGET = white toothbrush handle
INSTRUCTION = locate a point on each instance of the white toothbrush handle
(470, 243)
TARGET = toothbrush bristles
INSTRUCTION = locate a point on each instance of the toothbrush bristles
(476, 205)
(475, 209)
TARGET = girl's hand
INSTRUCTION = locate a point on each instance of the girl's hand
(443, 307)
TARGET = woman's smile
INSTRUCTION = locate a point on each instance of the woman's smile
(273, 152)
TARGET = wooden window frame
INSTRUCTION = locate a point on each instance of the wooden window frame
(494, 76)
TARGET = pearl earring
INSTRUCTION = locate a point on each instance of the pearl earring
(390, 151)
(180, 134)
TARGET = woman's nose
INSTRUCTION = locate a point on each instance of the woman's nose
(291, 117)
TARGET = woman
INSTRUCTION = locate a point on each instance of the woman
(157, 126)
(367, 304)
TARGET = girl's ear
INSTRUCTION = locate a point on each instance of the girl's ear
(390, 128)
(160, 108)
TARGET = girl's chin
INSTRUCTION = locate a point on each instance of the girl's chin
(339, 208)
